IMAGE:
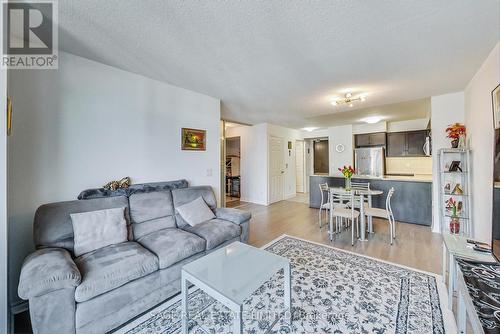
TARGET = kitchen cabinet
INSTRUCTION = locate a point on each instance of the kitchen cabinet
(370, 139)
(396, 144)
(406, 144)
(415, 141)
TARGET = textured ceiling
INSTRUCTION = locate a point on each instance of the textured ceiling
(280, 61)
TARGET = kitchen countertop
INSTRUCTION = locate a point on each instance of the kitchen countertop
(415, 178)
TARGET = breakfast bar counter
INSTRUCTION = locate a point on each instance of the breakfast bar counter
(411, 203)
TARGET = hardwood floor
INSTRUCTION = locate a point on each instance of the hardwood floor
(415, 246)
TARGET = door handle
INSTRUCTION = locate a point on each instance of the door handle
(282, 172)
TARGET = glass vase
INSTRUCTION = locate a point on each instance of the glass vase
(348, 183)
(461, 142)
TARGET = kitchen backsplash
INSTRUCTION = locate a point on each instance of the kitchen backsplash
(408, 165)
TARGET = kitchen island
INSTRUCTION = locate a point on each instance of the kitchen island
(411, 203)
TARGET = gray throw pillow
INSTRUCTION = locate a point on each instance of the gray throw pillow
(97, 229)
(195, 212)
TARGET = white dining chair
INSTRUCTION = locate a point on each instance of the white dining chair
(359, 186)
(340, 213)
(326, 203)
(385, 214)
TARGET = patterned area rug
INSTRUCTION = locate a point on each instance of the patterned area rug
(333, 291)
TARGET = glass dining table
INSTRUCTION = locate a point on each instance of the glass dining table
(360, 194)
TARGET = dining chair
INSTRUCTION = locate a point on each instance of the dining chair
(359, 186)
(340, 213)
(385, 214)
(326, 202)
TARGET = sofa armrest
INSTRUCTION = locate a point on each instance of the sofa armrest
(47, 270)
(233, 215)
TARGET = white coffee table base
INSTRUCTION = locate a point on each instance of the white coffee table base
(235, 307)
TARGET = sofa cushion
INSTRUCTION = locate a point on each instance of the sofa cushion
(172, 245)
(47, 270)
(133, 189)
(186, 195)
(53, 226)
(215, 231)
(110, 267)
(195, 212)
(150, 212)
(97, 229)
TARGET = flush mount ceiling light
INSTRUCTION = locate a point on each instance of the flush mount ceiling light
(349, 99)
(372, 120)
(309, 129)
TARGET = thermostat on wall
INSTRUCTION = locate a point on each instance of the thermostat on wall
(339, 148)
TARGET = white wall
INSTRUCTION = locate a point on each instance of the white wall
(445, 110)
(480, 134)
(87, 123)
(253, 162)
(340, 135)
(410, 125)
(369, 128)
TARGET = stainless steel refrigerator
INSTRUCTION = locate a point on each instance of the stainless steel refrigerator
(370, 161)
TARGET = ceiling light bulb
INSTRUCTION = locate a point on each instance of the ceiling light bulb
(309, 129)
(351, 105)
(362, 98)
(348, 95)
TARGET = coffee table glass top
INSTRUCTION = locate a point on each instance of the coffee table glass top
(236, 270)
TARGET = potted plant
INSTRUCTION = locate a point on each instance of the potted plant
(348, 172)
(452, 205)
(456, 132)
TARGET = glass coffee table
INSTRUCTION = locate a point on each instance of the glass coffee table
(230, 275)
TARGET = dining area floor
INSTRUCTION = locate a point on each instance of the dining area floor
(415, 246)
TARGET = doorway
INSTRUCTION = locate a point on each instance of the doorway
(276, 170)
(321, 156)
(300, 169)
(232, 170)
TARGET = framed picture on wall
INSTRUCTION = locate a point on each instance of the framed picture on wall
(193, 139)
(495, 96)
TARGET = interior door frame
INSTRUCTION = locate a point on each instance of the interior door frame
(5, 322)
(303, 158)
(269, 170)
(327, 153)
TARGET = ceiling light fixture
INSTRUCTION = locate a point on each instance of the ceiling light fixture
(309, 129)
(372, 120)
(349, 99)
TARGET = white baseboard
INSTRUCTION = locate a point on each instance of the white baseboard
(249, 200)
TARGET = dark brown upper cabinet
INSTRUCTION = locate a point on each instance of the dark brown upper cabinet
(406, 144)
(370, 139)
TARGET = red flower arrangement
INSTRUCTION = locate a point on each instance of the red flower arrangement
(347, 171)
(455, 130)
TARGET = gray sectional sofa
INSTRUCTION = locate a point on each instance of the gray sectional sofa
(101, 290)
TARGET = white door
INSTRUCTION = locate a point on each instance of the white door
(299, 165)
(276, 170)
